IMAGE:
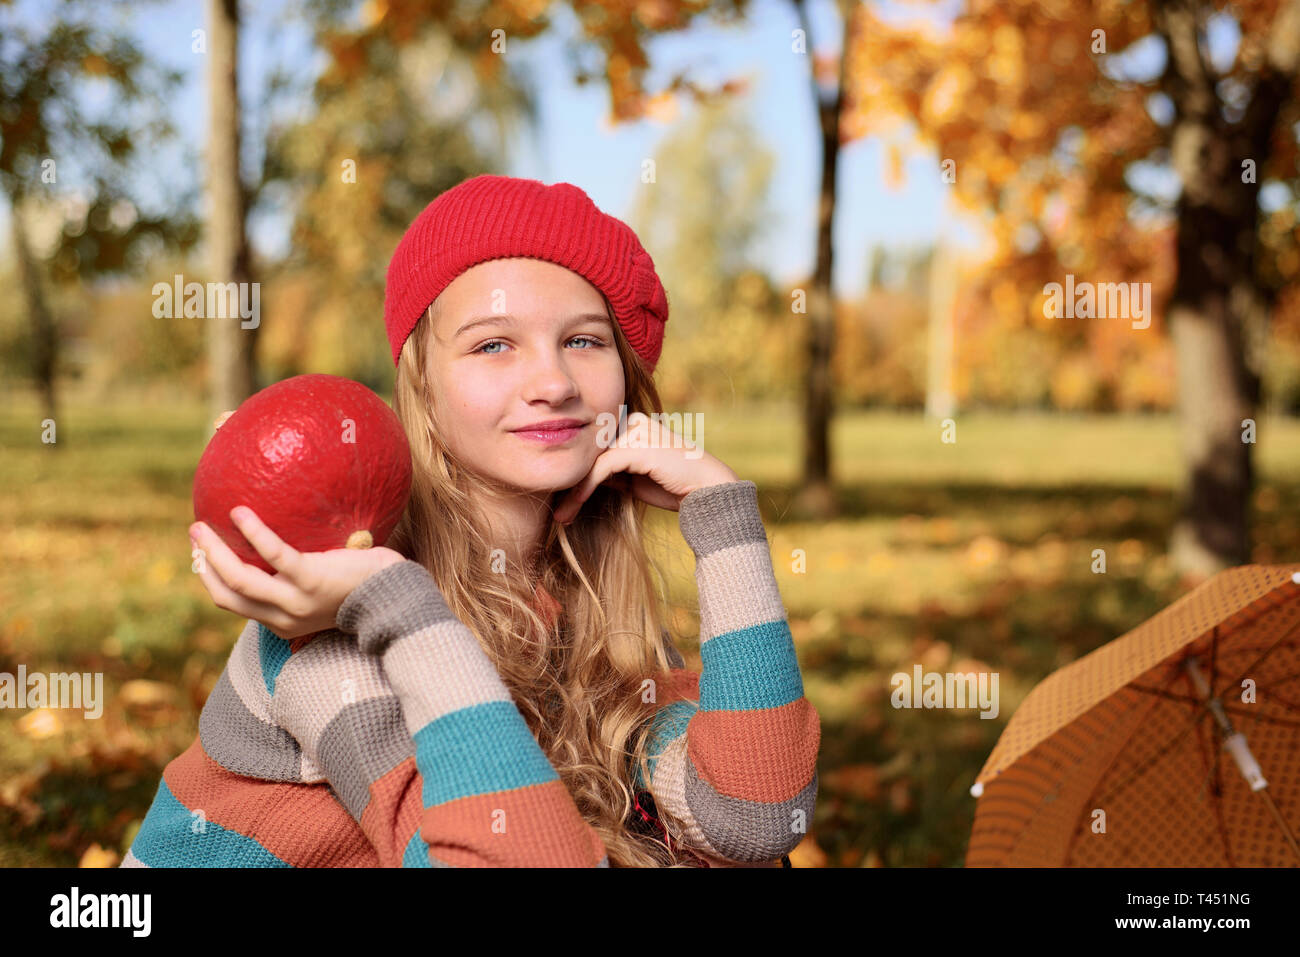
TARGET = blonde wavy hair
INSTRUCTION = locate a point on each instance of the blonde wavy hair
(579, 681)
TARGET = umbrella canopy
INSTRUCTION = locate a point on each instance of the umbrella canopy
(1175, 745)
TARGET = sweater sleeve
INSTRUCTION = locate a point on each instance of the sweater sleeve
(734, 752)
(424, 743)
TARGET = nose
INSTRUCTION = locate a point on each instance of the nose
(548, 379)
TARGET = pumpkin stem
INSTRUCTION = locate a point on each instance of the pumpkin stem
(360, 539)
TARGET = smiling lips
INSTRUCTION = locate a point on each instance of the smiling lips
(552, 431)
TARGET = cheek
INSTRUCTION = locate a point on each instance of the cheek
(472, 407)
(604, 390)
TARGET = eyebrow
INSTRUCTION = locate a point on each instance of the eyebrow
(507, 319)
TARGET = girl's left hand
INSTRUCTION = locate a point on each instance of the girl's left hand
(664, 470)
(302, 596)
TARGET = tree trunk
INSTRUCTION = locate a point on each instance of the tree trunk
(231, 347)
(940, 401)
(45, 339)
(1218, 312)
(816, 497)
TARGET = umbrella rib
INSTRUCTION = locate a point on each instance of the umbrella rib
(1203, 708)
(1232, 709)
(1140, 769)
(1214, 773)
(1264, 654)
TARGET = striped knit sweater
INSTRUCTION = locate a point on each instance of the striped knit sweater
(392, 741)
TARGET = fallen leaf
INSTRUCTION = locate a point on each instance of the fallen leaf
(141, 693)
(40, 724)
(96, 856)
(858, 780)
(808, 854)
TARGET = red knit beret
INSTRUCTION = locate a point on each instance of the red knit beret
(501, 217)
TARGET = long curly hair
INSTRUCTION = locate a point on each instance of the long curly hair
(588, 680)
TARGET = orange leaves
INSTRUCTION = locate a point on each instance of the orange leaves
(96, 65)
(894, 167)
(1006, 64)
(662, 108)
(945, 95)
(372, 12)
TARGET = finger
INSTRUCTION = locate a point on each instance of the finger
(224, 597)
(651, 492)
(278, 554)
(661, 436)
(221, 419)
(634, 422)
(636, 433)
(615, 460)
(239, 576)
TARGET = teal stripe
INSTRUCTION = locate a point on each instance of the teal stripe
(669, 723)
(167, 838)
(273, 652)
(749, 669)
(417, 852)
(477, 750)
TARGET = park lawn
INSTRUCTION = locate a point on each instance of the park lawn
(970, 554)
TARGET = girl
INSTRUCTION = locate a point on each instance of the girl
(497, 686)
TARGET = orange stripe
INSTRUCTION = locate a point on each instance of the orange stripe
(302, 824)
(681, 685)
(766, 755)
(532, 826)
(393, 813)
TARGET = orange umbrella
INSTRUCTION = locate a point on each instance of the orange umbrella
(1175, 745)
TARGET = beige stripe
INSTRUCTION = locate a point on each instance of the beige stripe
(319, 681)
(441, 669)
(245, 671)
(311, 771)
(737, 589)
(669, 792)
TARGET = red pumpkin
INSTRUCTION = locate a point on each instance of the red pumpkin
(322, 460)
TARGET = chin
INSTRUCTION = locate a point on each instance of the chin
(546, 477)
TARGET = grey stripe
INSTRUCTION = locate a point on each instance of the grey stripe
(241, 742)
(362, 743)
(395, 601)
(720, 516)
(132, 861)
(748, 831)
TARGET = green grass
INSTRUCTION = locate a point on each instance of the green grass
(978, 551)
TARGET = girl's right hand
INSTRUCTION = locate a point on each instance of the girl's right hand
(304, 596)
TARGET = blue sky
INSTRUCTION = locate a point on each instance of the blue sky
(607, 163)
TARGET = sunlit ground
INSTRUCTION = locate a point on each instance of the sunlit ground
(974, 554)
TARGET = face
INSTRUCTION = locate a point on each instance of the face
(518, 342)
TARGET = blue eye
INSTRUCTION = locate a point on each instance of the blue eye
(595, 344)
